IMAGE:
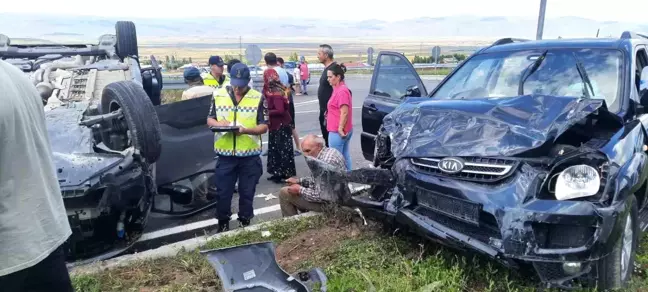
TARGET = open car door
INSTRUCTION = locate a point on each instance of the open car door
(394, 78)
(187, 142)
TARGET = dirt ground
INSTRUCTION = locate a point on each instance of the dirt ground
(305, 245)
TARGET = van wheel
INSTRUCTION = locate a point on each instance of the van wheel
(126, 39)
(615, 270)
(142, 126)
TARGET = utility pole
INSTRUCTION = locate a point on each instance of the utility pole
(240, 49)
(541, 18)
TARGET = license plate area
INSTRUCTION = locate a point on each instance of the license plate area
(456, 208)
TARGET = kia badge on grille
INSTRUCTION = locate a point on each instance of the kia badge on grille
(451, 165)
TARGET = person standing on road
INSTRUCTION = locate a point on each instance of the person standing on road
(339, 113)
(238, 152)
(33, 220)
(273, 63)
(216, 77)
(291, 106)
(304, 193)
(291, 80)
(304, 74)
(281, 160)
(297, 76)
(325, 56)
(197, 88)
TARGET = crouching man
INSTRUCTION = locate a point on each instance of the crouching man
(303, 194)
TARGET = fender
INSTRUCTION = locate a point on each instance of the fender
(626, 154)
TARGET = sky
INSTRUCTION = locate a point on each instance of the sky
(617, 10)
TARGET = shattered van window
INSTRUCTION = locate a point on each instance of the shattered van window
(498, 75)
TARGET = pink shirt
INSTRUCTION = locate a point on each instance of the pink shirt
(341, 96)
(303, 68)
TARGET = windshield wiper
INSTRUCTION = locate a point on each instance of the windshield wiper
(584, 77)
(534, 67)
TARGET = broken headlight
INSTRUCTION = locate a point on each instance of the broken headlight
(577, 181)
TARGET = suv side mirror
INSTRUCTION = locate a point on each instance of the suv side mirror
(412, 91)
(643, 87)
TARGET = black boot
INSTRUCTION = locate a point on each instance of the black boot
(223, 226)
(244, 222)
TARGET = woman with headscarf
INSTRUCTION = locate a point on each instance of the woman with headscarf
(281, 160)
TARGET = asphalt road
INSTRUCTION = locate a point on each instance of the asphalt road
(306, 112)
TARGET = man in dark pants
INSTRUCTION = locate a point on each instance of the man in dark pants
(325, 56)
(33, 220)
(238, 151)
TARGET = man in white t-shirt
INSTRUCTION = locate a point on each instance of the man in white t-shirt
(197, 87)
(33, 220)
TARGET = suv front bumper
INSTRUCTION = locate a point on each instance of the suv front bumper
(561, 239)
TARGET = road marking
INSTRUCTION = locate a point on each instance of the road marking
(212, 222)
(200, 224)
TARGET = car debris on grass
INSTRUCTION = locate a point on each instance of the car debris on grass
(353, 256)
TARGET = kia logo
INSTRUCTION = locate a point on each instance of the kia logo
(451, 165)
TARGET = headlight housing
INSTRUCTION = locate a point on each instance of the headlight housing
(577, 181)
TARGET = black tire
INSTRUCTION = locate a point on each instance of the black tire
(610, 274)
(126, 39)
(140, 116)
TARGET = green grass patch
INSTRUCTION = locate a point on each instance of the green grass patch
(353, 256)
(377, 261)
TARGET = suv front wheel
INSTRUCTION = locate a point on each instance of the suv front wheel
(615, 270)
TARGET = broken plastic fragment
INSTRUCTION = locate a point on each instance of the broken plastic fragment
(361, 216)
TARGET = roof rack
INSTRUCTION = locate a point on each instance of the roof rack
(508, 41)
(632, 35)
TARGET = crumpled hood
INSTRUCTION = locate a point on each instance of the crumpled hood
(482, 127)
(72, 146)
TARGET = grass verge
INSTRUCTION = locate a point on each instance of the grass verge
(354, 257)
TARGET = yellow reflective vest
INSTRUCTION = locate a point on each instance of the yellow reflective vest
(245, 114)
(209, 80)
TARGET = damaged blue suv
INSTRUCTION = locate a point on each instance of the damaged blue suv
(530, 152)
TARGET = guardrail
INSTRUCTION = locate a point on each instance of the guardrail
(319, 69)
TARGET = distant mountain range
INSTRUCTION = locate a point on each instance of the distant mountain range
(228, 29)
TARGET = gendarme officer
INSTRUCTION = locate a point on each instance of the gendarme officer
(238, 152)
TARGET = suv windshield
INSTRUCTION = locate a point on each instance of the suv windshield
(498, 75)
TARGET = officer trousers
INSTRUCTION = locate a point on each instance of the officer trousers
(229, 169)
